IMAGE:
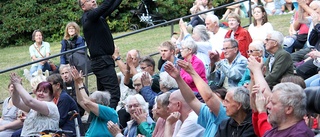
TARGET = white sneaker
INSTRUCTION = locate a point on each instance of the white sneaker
(26, 73)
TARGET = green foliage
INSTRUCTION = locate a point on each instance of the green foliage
(21, 18)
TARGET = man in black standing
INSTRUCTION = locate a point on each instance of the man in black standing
(101, 46)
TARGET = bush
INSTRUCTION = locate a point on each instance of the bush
(20, 18)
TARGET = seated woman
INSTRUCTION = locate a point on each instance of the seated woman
(260, 27)
(97, 105)
(236, 8)
(71, 40)
(39, 50)
(9, 121)
(42, 112)
(140, 123)
(200, 6)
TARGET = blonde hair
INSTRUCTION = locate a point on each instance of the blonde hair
(38, 79)
(76, 27)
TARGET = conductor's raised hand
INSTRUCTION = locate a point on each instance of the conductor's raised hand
(172, 70)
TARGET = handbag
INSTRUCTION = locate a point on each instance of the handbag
(52, 66)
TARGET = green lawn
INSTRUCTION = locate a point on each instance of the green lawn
(147, 42)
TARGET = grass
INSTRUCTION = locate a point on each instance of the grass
(147, 42)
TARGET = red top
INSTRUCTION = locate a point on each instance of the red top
(260, 123)
(244, 39)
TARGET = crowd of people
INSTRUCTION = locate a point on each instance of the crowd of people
(211, 81)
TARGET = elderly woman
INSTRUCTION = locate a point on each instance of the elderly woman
(42, 112)
(188, 52)
(97, 105)
(201, 38)
(9, 121)
(256, 50)
(162, 112)
(39, 50)
(71, 40)
(140, 124)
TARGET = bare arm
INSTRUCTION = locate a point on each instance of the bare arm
(186, 91)
(93, 107)
(211, 99)
(12, 125)
(28, 100)
(122, 66)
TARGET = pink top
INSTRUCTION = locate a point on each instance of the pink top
(198, 66)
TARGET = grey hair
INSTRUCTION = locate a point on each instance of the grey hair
(259, 45)
(234, 42)
(168, 81)
(163, 99)
(101, 97)
(140, 99)
(202, 31)
(213, 18)
(139, 75)
(277, 36)
(62, 66)
(191, 45)
(241, 95)
(291, 94)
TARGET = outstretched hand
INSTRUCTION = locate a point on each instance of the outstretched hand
(172, 70)
(15, 79)
(145, 80)
(187, 66)
(76, 75)
(113, 128)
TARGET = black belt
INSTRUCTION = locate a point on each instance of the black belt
(100, 57)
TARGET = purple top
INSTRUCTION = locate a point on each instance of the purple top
(297, 130)
(198, 66)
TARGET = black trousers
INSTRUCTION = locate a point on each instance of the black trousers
(107, 80)
(307, 69)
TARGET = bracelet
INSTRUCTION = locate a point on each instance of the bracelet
(81, 88)
(118, 58)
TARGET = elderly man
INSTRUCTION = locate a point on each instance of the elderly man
(230, 69)
(286, 110)
(279, 63)
(237, 104)
(187, 124)
(216, 33)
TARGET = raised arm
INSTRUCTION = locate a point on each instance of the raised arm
(121, 65)
(211, 99)
(186, 91)
(28, 100)
(112, 8)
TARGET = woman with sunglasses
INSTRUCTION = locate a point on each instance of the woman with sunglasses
(256, 50)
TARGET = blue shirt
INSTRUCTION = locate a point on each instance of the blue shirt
(210, 121)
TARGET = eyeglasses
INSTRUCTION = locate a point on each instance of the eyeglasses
(184, 48)
(133, 105)
(142, 68)
(85, 2)
(251, 51)
(227, 48)
(267, 39)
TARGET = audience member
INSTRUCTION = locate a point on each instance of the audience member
(9, 121)
(199, 6)
(201, 38)
(184, 117)
(68, 85)
(140, 124)
(260, 27)
(38, 50)
(188, 51)
(163, 113)
(101, 45)
(210, 114)
(65, 104)
(294, 79)
(71, 40)
(286, 108)
(167, 51)
(147, 64)
(238, 9)
(279, 63)
(275, 7)
(256, 50)
(237, 104)
(42, 112)
(230, 69)
(216, 33)
(240, 34)
(97, 105)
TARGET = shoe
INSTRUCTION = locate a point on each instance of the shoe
(290, 12)
(189, 29)
(26, 73)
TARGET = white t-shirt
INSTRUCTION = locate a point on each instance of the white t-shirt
(189, 128)
(36, 122)
(260, 33)
(217, 39)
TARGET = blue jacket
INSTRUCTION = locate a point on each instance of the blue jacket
(78, 43)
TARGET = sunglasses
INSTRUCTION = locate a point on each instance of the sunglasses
(251, 51)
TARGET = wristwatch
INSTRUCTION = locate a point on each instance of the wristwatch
(118, 58)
